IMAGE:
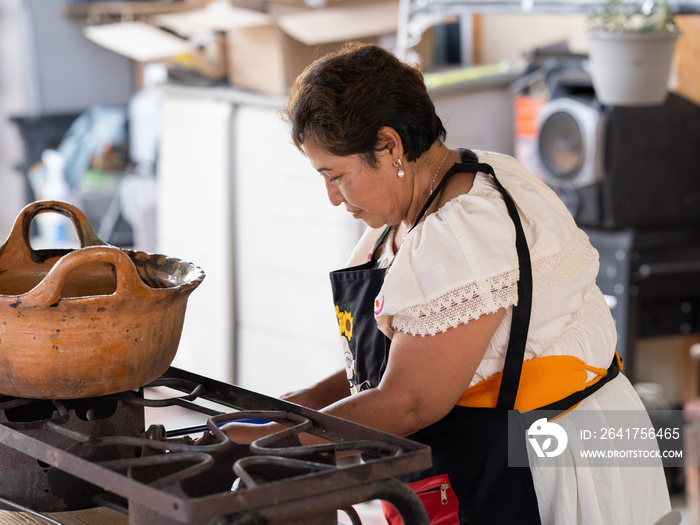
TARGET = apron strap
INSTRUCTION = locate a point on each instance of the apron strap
(520, 321)
(377, 244)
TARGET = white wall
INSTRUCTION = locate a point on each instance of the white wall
(288, 238)
(194, 224)
(12, 102)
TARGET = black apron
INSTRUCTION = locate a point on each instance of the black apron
(470, 445)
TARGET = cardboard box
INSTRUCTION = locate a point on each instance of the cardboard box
(205, 30)
(257, 51)
(267, 58)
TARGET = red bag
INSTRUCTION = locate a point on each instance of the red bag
(437, 497)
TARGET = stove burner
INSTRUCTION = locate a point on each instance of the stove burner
(65, 455)
(30, 482)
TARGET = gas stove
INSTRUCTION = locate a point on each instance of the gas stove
(65, 455)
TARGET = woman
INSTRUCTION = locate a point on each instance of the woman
(468, 295)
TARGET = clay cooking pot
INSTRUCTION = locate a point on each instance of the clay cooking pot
(90, 321)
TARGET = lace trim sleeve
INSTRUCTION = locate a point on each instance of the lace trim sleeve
(478, 298)
(459, 306)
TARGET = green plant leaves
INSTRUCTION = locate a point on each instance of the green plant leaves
(620, 16)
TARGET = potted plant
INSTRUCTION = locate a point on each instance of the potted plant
(631, 51)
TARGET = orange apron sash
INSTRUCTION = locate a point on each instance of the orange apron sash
(544, 380)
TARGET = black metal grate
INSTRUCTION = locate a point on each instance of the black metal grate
(162, 477)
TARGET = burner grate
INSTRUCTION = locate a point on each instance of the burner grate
(162, 477)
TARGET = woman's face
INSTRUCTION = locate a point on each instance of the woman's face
(376, 195)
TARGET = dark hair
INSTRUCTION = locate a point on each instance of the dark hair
(342, 100)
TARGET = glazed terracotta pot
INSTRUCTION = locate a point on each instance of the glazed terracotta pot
(90, 321)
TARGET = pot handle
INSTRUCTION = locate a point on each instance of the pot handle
(18, 244)
(48, 291)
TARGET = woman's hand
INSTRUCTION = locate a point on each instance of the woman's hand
(321, 394)
(316, 397)
(246, 433)
(240, 433)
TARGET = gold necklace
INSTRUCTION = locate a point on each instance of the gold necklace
(437, 172)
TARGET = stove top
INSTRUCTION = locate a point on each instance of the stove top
(66, 455)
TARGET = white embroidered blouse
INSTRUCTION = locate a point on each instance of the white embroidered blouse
(461, 263)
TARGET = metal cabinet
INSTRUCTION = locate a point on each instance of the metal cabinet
(236, 198)
(651, 278)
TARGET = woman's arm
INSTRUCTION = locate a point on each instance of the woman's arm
(424, 379)
(323, 393)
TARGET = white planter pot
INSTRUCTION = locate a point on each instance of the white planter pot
(631, 69)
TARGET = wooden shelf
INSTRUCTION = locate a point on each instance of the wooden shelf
(531, 6)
